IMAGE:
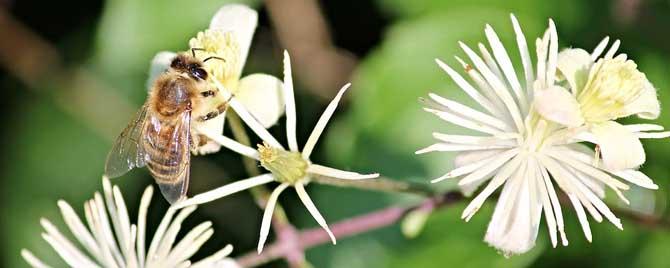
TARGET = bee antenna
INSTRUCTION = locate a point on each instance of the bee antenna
(193, 49)
(214, 57)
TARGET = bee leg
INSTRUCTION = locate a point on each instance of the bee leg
(219, 110)
(198, 141)
(208, 116)
(208, 93)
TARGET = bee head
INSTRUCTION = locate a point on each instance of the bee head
(189, 65)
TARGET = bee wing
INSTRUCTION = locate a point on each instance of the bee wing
(127, 153)
(170, 167)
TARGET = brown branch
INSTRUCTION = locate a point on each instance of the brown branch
(304, 32)
(644, 220)
(345, 228)
(309, 238)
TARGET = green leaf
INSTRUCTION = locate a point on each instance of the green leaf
(570, 13)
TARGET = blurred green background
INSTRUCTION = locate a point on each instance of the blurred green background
(73, 72)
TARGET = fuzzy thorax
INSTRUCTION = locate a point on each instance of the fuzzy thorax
(612, 84)
(286, 166)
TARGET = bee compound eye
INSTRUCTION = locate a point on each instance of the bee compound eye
(176, 62)
(200, 73)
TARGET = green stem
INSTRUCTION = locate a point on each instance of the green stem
(383, 184)
(260, 193)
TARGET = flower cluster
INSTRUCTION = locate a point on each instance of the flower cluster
(553, 128)
(259, 100)
(112, 241)
(534, 130)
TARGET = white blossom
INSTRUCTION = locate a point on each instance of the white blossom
(601, 90)
(108, 239)
(229, 38)
(531, 131)
(290, 168)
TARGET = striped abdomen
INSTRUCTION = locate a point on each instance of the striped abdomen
(166, 144)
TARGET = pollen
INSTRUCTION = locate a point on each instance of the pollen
(612, 84)
(223, 46)
(286, 166)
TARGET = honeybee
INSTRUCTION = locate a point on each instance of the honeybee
(160, 134)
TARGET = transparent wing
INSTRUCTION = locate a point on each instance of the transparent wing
(169, 155)
(127, 153)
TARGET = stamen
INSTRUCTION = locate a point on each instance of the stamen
(286, 166)
(612, 84)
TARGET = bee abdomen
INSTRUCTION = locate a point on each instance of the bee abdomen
(165, 173)
(165, 155)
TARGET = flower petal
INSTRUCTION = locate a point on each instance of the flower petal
(32, 260)
(304, 197)
(323, 121)
(600, 48)
(620, 148)
(467, 88)
(497, 85)
(289, 101)
(225, 190)
(142, 222)
(574, 65)
(79, 230)
(239, 19)
(159, 64)
(636, 177)
(229, 143)
(246, 116)
(339, 174)
(646, 106)
(552, 58)
(217, 259)
(581, 216)
(267, 215)
(513, 229)
(499, 179)
(506, 65)
(557, 104)
(262, 94)
(525, 54)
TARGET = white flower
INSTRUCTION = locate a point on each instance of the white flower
(521, 151)
(229, 38)
(112, 241)
(288, 167)
(602, 90)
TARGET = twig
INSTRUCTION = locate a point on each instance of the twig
(644, 220)
(387, 216)
(302, 29)
(380, 184)
(345, 228)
